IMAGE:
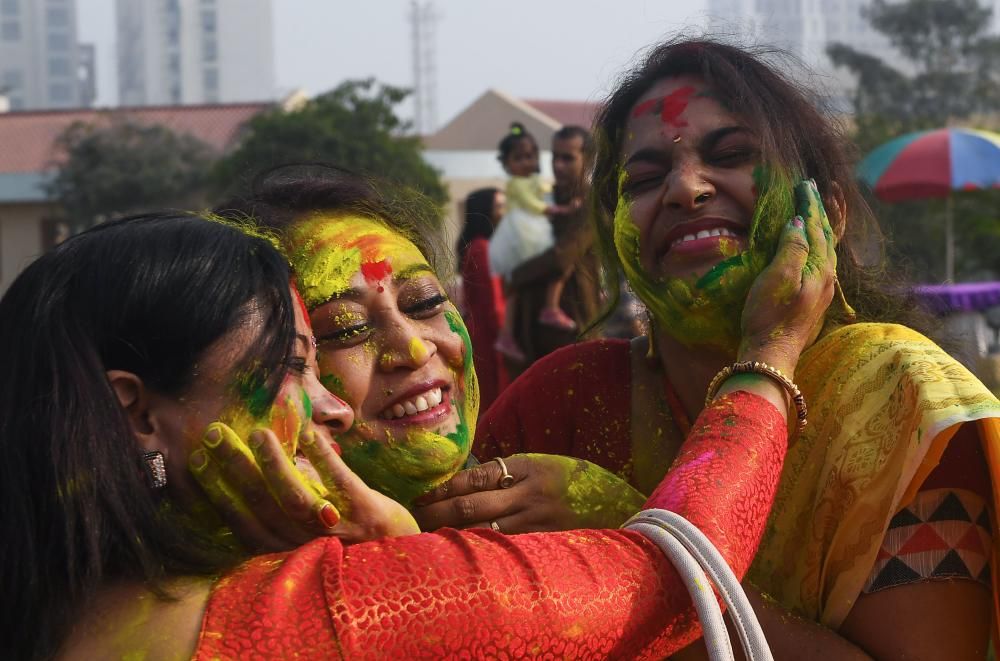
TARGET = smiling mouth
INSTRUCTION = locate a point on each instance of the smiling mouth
(703, 234)
(426, 405)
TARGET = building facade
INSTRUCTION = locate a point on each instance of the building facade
(194, 51)
(40, 59)
(806, 27)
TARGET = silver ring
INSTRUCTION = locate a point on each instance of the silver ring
(496, 527)
(506, 480)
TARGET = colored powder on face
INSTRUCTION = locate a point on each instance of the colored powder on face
(326, 252)
(376, 272)
(252, 390)
(418, 350)
(307, 405)
(670, 107)
(302, 305)
(333, 383)
(707, 311)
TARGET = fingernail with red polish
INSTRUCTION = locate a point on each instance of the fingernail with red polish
(798, 222)
(329, 516)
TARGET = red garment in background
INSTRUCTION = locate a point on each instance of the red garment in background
(484, 313)
(481, 594)
(576, 401)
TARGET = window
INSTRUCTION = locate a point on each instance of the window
(10, 31)
(208, 21)
(209, 50)
(59, 67)
(9, 7)
(57, 16)
(60, 93)
(210, 78)
(12, 80)
(58, 41)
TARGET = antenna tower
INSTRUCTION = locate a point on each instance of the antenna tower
(423, 19)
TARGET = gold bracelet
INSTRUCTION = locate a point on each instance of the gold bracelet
(757, 367)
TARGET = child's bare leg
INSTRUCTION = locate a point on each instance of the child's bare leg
(551, 314)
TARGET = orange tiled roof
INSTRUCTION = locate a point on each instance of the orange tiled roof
(580, 113)
(27, 139)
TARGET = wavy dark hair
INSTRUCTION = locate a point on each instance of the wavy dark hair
(794, 134)
(147, 294)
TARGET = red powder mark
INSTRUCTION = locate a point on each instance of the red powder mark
(644, 107)
(381, 289)
(674, 105)
(376, 272)
(671, 107)
(302, 305)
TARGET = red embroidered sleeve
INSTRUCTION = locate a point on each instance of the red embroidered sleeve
(480, 594)
(575, 401)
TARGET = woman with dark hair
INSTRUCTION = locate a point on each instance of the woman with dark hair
(122, 344)
(881, 530)
(482, 292)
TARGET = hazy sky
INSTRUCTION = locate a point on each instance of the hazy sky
(557, 49)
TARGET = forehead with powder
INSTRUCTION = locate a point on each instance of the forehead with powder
(326, 252)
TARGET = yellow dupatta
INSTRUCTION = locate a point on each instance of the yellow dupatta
(884, 401)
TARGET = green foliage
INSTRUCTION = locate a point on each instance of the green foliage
(125, 167)
(950, 75)
(354, 125)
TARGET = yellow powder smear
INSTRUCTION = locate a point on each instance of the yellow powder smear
(418, 350)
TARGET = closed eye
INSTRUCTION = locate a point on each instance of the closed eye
(427, 306)
(345, 334)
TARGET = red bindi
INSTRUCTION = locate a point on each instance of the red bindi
(376, 272)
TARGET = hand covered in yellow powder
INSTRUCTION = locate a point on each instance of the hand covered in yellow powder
(785, 307)
(272, 503)
(549, 492)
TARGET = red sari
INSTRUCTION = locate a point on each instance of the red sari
(480, 594)
(483, 315)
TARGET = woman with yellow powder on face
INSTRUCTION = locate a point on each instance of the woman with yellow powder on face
(880, 540)
(115, 365)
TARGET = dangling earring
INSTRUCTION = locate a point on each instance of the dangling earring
(846, 311)
(156, 469)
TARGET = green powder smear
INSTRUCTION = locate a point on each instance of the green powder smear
(706, 311)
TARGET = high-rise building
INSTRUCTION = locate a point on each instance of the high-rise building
(39, 55)
(806, 27)
(194, 51)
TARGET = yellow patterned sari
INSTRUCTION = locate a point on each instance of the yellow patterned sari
(884, 401)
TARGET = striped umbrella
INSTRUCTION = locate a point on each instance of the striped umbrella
(934, 164)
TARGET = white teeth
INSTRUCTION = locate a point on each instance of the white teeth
(715, 232)
(704, 234)
(420, 403)
(688, 237)
(434, 397)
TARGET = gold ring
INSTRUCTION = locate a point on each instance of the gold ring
(496, 527)
(506, 480)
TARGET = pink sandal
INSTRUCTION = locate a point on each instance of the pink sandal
(556, 318)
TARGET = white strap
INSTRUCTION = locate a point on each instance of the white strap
(677, 536)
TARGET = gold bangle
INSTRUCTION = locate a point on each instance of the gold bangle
(757, 367)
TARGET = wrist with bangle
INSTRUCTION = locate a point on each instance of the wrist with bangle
(762, 369)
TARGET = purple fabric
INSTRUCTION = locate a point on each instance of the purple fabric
(965, 297)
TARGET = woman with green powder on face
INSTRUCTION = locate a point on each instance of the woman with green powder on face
(879, 543)
(148, 346)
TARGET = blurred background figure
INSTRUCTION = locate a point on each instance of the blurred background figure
(482, 303)
(570, 259)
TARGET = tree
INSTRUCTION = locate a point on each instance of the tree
(354, 125)
(127, 167)
(950, 74)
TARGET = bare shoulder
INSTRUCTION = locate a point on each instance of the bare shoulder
(130, 621)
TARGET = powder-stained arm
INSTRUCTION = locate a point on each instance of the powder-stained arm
(479, 594)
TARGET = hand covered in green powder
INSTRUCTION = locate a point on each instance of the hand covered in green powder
(549, 492)
(785, 307)
(272, 503)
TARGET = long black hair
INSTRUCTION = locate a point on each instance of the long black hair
(147, 294)
(478, 219)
